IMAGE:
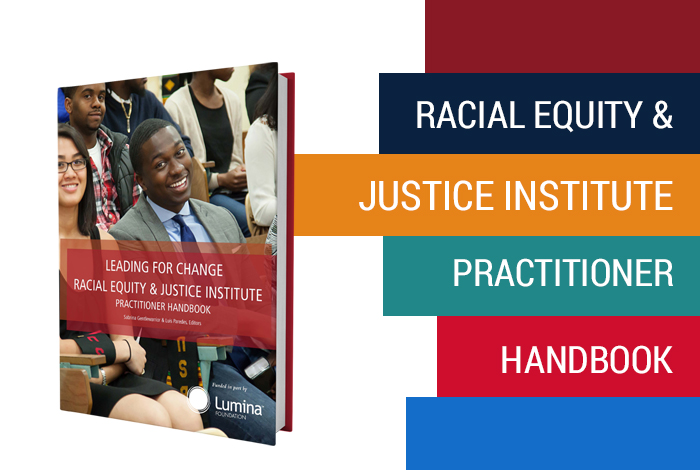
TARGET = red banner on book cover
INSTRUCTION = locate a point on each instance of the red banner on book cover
(169, 290)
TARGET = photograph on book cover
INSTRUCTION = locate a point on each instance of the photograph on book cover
(168, 231)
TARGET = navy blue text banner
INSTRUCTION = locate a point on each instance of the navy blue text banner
(666, 100)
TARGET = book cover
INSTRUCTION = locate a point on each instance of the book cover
(174, 229)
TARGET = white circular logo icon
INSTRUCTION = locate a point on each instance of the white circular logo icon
(198, 400)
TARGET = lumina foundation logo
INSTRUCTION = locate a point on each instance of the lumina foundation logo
(235, 409)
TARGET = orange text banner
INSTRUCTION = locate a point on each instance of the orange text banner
(530, 195)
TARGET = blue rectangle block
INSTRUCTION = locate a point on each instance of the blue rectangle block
(553, 433)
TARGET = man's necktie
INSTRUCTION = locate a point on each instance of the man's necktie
(186, 234)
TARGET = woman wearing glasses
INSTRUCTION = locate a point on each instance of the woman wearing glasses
(120, 391)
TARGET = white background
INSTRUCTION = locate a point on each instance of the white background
(353, 367)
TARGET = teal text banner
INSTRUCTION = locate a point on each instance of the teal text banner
(582, 276)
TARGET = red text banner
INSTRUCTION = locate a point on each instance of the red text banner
(169, 290)
(568, 357)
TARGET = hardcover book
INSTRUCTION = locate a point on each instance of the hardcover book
(176, 250)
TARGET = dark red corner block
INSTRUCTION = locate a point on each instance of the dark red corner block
(547, 36)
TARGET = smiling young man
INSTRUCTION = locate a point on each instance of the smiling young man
(112, 172)
(163, 168)
(165, 212)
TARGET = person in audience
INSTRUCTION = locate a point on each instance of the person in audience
(112, 174)
(166, 213)
(272, 237)
(128, 103)
(62, 114)
(212, 117)
(129, 396)
(260, 76)
(261, 158)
